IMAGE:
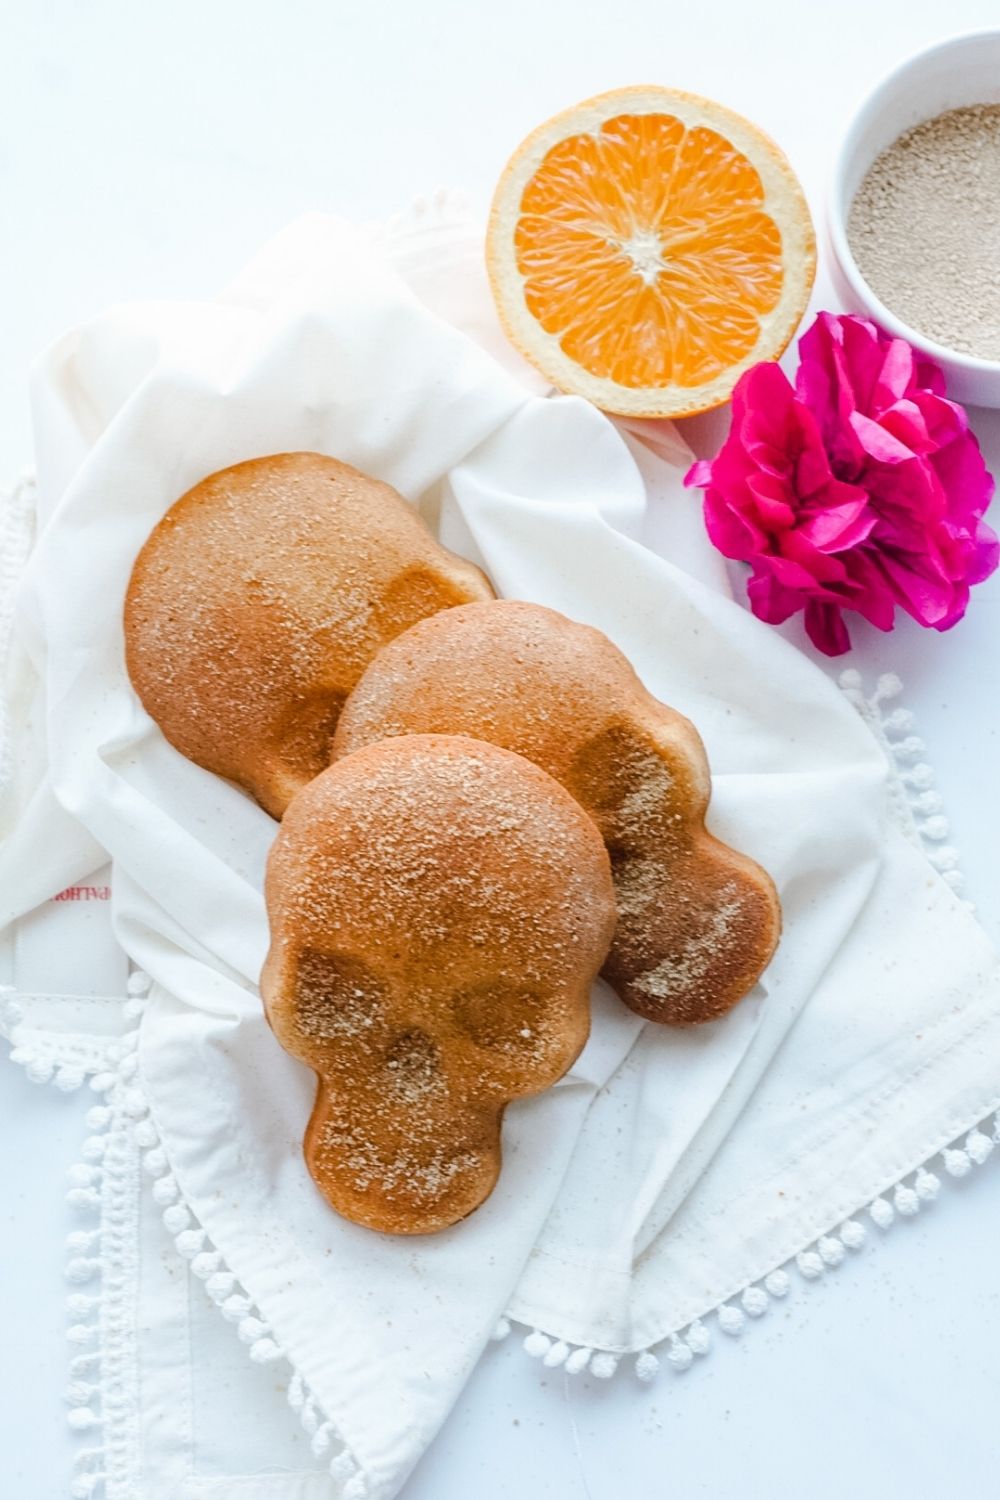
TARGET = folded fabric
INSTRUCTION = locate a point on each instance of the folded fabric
(669, 1171)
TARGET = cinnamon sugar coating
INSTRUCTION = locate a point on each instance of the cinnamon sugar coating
(258, 601)
(697, 921)
(439, 908)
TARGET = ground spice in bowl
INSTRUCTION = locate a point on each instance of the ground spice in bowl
(924, 229)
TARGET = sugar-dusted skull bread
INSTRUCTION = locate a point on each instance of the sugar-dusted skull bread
(258, 601)
(438, 908)
(697, 921)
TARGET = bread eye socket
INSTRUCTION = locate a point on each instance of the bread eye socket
(338, 999)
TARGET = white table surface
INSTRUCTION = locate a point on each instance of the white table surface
(145, 151)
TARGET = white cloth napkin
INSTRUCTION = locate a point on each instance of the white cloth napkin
(669, 1170)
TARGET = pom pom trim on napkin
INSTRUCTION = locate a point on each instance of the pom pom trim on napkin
(904, 1199)
(916, 804)
(123, 1139)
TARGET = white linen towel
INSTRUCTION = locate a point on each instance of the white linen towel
(669, 1171)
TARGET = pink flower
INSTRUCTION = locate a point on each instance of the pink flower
(861, 489)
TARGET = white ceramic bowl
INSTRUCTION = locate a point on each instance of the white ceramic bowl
(963, 70)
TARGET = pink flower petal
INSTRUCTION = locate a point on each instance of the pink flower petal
(771, 495)
(984, 555)
(929, 376)
(871, 594)
(878, 443)
(699, 474)
(770, 601)
(962, 473)
(927, 598)
(733, 535)
(906, 422)
(826, 629)
(791, 574)
(896, 376)
(840, 527)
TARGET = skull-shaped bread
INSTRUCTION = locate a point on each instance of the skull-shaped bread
(697, 922)
(439, 908)
(259, 600)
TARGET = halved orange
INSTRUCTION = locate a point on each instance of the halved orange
(646, 247)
